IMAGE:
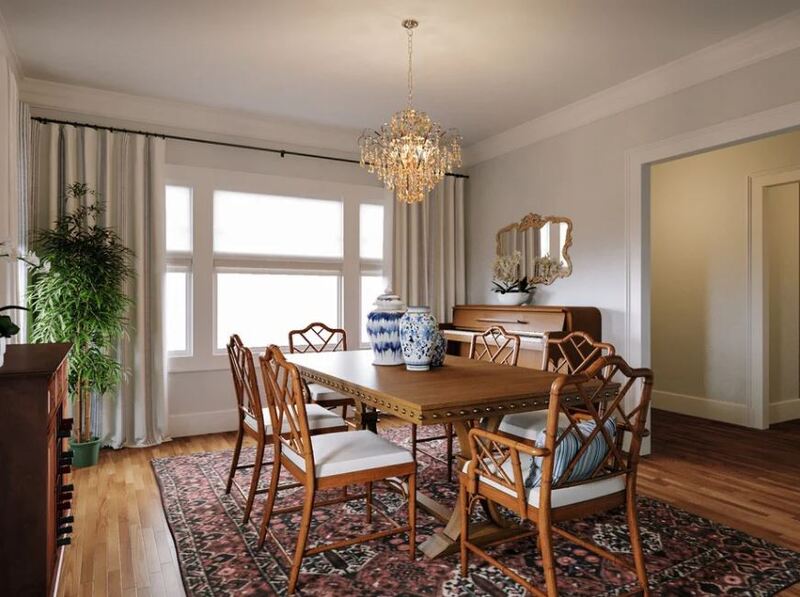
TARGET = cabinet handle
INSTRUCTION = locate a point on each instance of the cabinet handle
(491, 320)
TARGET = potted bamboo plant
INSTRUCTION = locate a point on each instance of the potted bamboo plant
(82, 300)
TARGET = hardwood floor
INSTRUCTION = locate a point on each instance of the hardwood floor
(744, 478)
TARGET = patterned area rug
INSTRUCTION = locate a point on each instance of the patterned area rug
(686, 554)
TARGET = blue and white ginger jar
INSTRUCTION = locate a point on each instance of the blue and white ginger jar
(418, 336)
(383, 329)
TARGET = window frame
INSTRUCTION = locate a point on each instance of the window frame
(181, 260)
(205, 264)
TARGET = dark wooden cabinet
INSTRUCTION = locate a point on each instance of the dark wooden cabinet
(35, 461)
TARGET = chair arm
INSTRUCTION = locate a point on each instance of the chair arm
(506, 441)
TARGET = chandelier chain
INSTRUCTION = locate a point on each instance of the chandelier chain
(410, 71)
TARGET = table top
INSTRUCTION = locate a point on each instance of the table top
(461, 389)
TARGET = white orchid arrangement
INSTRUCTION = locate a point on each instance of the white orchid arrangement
(506, 276)
(7, 327)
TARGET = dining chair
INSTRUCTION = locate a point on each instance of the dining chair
(571, 354)
(320, 462)
(494, 345)
(254, 421)
(573, 471)
(318, 337)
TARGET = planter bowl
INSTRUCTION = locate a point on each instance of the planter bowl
(512, 298)
(85, 453)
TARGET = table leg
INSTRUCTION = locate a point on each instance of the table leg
(366, 418)
(498, 527)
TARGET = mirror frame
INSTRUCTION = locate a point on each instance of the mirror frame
(533, 220)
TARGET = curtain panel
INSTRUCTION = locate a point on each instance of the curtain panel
(429, 246)
(126, 170)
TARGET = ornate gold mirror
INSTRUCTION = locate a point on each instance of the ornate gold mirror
(543, 243)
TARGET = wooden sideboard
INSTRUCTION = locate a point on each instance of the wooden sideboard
(35, 494)
(533, 323)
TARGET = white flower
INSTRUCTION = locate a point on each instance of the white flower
(45, 267)
(506, 268)
(32, 258)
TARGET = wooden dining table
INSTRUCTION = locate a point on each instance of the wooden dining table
(463, 392)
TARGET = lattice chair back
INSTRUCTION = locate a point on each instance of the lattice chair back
(286, 401)
(246, 382)
(317, 337)
(495, 345)
(573, 353)
(592, 446)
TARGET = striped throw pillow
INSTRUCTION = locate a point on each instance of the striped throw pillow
(566, 451)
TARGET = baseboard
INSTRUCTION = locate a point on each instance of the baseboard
(697, 406)
(202, 422)
(785, 410)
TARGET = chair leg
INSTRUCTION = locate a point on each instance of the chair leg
(448, 430)
(368, 488)
(344, 412)
(251, 495)
(548, 561)
(412, 516)
(235, 462)
(464, 515)
(636, 542)
(270, 503)
(414, 442)
(302, 537)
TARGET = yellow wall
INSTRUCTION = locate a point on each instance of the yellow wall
(699, 275)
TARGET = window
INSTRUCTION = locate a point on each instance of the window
(176, 326)
(259, 255)
(251, 224)
(264, 307)
(371, 231)
(371, 249)
(372, 286)
(178, 283)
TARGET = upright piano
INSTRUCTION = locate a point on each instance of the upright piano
(533, 323)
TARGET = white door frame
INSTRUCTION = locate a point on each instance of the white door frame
(758, 404)
(637, 212)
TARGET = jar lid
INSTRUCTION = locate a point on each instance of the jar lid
(389, 301)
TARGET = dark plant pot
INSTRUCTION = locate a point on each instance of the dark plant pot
(85, 453)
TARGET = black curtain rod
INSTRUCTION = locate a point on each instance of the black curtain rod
(281, 152)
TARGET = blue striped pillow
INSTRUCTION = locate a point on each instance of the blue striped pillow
(566, 450)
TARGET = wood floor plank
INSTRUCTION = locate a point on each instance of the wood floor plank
(741, 477)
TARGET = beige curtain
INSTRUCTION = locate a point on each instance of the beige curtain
(127, 171)
(429, 248)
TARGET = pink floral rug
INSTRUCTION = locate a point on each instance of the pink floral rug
(686, 554)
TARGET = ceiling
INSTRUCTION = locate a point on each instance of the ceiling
(480, 66)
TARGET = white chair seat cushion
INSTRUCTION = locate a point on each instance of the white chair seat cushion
(349, 452)
(320, 392)
(319, 417)
(558, 497)
(528, 425)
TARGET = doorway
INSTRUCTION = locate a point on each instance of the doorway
(724, 280)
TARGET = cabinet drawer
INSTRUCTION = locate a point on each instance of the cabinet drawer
(519, 320)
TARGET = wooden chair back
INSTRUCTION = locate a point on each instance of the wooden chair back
(286, 402)
(573, 353)
(628, 408)
(317, 337)
(495, 345)
(245, 382)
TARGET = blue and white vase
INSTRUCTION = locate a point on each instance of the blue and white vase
(418, 330)
(439, 350)
(383, 329)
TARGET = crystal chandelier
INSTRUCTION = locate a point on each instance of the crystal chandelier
(412, 153)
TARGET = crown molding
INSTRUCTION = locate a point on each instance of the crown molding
(754, 45)
(176, 117)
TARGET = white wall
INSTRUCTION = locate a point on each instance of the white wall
(581, 174)
(8, 170)
(782, 240)
(699, 274)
